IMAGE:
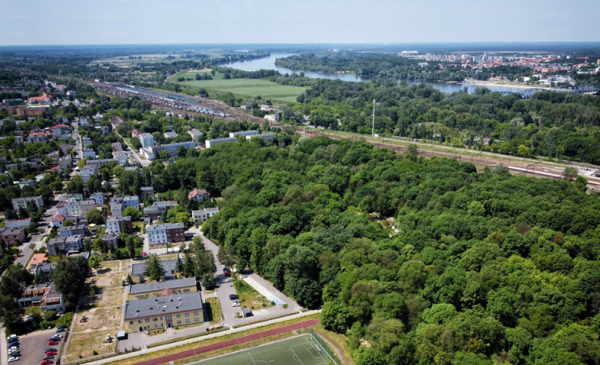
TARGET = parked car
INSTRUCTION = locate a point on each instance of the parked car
(63, 326)
(11, 337)
(236, 304)
(52, 342)
(233, 296)
(47, 362)
(51, 350)
(60, 329)
(13, 343)
(13, 359)
(56, 337)
(229, 280)
(50, 353)
(48, 357)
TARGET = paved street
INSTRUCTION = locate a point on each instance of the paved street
(133, 155)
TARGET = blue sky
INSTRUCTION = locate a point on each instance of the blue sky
(45, 22)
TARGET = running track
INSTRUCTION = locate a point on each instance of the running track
(232, 342)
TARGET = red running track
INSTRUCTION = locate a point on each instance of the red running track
(228, 343)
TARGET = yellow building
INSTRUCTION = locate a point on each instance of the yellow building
(163, 312)
(149, 290)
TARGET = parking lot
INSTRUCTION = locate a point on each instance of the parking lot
(34, 344)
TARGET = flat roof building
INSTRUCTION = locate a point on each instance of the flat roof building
(180, 286)
(163, 312)
(213, 142)
(243, 133)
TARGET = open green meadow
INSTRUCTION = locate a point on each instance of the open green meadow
(298, 350)
(250, 88)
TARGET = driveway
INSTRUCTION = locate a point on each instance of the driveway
(33, 346)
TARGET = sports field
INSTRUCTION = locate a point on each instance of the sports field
(301, 350)
(243, 87)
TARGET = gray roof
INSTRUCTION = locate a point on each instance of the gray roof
(168, 265)
(169, 304)
(169, 284)
(164, 226)
(132, 198)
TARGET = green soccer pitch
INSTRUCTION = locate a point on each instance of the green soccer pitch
(301, 350)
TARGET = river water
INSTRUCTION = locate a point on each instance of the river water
(268, 63)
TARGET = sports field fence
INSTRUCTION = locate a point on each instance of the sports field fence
(325, 347)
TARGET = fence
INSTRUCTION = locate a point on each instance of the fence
(325, 347)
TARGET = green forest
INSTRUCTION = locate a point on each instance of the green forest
(415, 261)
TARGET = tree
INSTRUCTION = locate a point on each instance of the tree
(178, 265)
(95, 261)
(141, 279)
(94, 216)
(412, 152)
(570, 173)
(154, 268)
(208, 282)
(67, 223)
(11, 314)
(132, 212)
(188, 266)
(130, 245)
(69, 278)
(129, 279)
(524, 151)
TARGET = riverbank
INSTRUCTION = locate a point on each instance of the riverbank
(508, 84)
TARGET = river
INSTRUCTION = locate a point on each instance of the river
(268, 63)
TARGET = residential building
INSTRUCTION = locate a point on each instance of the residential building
(24, 183)
(167, 265)
(88, 152)
(64, 244)
(169, 287)
(119, 225)
(36, 137)
(110, 239)
(213, 142)
(105, 130)
(76, 230)
(203, 214)
(154, 211)
(264, 136)
(175, 310)
(153, 151)
(196, 134)
(98, 198)
(135, 133)
(116, 206)
(72, 93)
(61, 131)
(18, 223)
(22, 202)
(100, 162)
(74, 198)
(85, 141)
(88, 171)
(115, 121)
(38, 258)
(243, 133)
(13, 236)
(146, 191)
(199, 195)
(121, 157)
(131, 201)
(44, 296)
(165, 233)
(32, 111)
(40, 99)
(146, 140)
(170, 135)
(66, 161)
(117, 146)
(57, 220)
(86, 207)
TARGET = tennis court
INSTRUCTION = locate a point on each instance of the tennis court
(301, 350)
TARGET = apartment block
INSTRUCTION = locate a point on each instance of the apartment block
(166, 233)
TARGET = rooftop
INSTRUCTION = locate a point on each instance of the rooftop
(38, 258)
(197, 192)
(170, 304)
(169, 284)
(164, 226)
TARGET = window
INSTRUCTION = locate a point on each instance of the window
(187, 321)
(187, 314)
(140, 321)
(197, 319)
(130, 322)
(179, 316)
(155, 319)
(178, 322)
(147, 320)
(155, 325)
(196, 313)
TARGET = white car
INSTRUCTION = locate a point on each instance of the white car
(12, 337)
(57, 336)
(13, 359)
(235, 304)
(228, 280)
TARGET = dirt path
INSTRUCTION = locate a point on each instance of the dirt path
(343, 356)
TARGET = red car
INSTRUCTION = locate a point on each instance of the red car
(50, 353)
(52, 342)
(47, 362)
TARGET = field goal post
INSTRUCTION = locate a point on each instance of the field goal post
(324, 347)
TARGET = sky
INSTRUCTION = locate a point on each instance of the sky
(77, 22)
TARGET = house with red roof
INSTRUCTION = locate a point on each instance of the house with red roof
(199, 195)
(40, 99)
(58, 220)
(61, 131)
(135, 133)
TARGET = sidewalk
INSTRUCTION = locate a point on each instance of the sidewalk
(201, 338)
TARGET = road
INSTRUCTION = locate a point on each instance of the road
(131, 153)
(37, 239)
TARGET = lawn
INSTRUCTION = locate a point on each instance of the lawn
(249, 297)
(90, 344)
(245, 87)
(109, 298)
(3, 223)
(213, 310)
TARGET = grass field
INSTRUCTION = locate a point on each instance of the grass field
(89, 344)
(243, 87)
(297, 350)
